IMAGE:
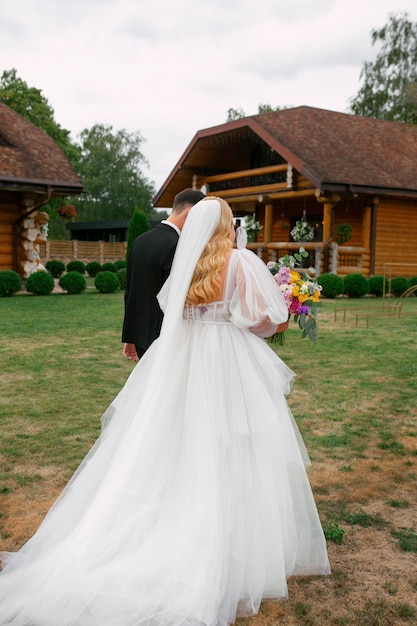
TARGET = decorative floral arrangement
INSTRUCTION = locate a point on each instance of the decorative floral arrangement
(67, 211)
(252, 227)
(302, 230)
(301, 293)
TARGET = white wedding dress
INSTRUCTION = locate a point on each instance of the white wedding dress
(194, 504)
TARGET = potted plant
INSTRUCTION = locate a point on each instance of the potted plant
(252, 228)
(343, 233)
(302, 230)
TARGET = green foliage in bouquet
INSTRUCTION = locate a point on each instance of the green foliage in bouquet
(301, 293)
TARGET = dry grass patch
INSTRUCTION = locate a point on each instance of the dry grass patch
(354, 398)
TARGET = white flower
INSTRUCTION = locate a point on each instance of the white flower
(302, 231)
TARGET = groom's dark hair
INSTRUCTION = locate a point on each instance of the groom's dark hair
(185, 198)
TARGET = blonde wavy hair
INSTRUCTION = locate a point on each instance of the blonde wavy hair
(206, 281)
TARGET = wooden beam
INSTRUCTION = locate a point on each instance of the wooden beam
(259, 171)
(259, 189)
(291, 194)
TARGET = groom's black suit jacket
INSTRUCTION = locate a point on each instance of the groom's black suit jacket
(149, 264)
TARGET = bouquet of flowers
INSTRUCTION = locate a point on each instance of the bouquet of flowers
(301, 293)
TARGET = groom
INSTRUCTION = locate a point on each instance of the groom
(148, 266)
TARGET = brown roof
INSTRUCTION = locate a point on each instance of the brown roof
(30, 158)
(335, 151)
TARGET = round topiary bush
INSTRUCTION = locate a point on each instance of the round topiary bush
(413, 283)
(121, 275)
(376, 286)
(93, 268)
(356, 285)
(398, 285)
(55, 268)
(332, 285)
(76, 266)
(108, 267)
(73, 282)
(107, 282)
(40, 283)
(119, 265)
(10, 283)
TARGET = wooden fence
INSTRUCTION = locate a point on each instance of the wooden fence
(86, 251)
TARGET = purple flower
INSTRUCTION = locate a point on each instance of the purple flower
(283, 275)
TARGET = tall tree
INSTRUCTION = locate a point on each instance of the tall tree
(389, 89)
(34, 107)
(110, 167)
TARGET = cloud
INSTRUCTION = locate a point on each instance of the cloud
(170, 69)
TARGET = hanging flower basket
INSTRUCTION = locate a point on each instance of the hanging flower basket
(67, 211)
(302, 230)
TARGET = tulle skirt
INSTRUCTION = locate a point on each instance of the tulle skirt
(193, 505)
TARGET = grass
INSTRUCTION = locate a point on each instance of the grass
(354, 398)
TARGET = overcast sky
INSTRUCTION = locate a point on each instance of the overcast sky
(170, 68)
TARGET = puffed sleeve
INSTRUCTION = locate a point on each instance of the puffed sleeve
(256, 303)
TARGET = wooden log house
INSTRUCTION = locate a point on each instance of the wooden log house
(33, 170)
(334, 168)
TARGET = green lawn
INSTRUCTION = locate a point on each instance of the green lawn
(354, 398)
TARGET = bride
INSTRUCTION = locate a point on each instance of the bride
(194, 503)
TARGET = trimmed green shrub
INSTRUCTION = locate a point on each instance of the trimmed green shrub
(398, 285)
(376, 285)
(10, 283)
(93, 268)
(73, 282)
(413, 283)
(332, 285)
(356, 285)
(107, 282)
(119, 264)
(108, 267)
(40, 283)
(55, 268)
(121, 275)
(76, 266)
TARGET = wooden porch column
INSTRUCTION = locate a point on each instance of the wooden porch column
(327, 222)
(268, 223)
(366, 227)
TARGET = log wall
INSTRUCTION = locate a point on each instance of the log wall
(396, 240)
(9, 213)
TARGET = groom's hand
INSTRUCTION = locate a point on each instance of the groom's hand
(129, 351)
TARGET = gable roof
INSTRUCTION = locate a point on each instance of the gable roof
(335, 151)
(30, 159)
